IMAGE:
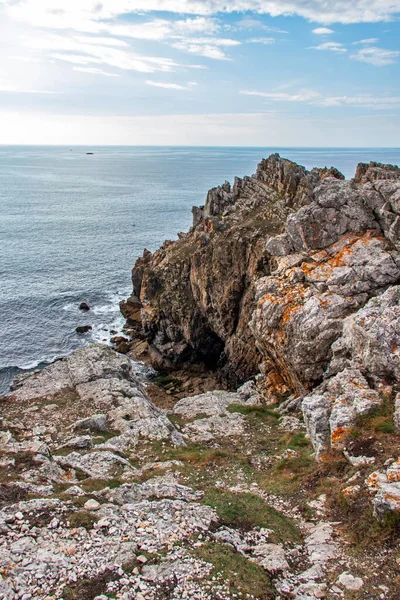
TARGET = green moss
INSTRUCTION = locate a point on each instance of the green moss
(246, 511)
(241, 576)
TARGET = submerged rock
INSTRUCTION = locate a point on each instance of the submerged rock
(83, 329)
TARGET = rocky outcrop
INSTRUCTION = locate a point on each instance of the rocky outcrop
(197, 294)
(290, 274)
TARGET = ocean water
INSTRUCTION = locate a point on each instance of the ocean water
(72, 226)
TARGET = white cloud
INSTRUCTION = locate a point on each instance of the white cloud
(262, 40)
(366, 41)
(322, 31)
(302, 96)
(251, 23)
(52, 13)
(81, 52)
(207, 47)
(331, 46)
(171, 86)
(94, 71)
(376, 56)
(317, 99)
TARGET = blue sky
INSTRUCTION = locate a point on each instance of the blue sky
(201, 72)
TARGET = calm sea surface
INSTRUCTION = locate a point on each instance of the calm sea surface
(72, 226)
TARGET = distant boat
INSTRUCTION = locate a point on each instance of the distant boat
(89, 152)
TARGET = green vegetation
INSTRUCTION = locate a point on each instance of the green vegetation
(88, 589)
(82, 518)
(246, 511)
(261, 412)
(242, 576)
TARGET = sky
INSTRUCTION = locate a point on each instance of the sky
(200, 72)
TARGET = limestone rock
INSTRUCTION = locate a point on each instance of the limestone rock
(331, 410)
(348, 581)
(385, 485)
(94, 423)
(98, 379)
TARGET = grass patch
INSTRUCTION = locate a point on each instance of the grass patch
(82, 518)
(360, 526)
(385, 426)
(261, 412)
(295, 440)
(96, 485)
(88, 589)
(245, 511)
(240, 575)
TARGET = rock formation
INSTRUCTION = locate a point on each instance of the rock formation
(290, 275)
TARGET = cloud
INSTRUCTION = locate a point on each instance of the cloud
(52, 13)
(94, 71)
(331, 46)
(171, 86)
(251, 23)
(92, 52)
(302, 96)
(317, 99)
(366, 41)
(262, 40)
(322, 31)
(207, 47)
(376, 56)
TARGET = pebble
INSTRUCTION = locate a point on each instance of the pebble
(92, 505)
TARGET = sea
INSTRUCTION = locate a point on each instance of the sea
(73, 220)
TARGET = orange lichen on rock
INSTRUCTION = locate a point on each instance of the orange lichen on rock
(338, 435)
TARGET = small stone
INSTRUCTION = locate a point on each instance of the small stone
(92, 505)
(350, 582)
(141, 559)
(84, 306)
(19, 516)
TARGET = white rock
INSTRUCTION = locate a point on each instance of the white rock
(92, 504)
(350, 582)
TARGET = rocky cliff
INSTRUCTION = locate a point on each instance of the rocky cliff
(290, 274)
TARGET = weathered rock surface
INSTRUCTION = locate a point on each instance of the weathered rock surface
(94, 503)
(103, 389)
(292, 275)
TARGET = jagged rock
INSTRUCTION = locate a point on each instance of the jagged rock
(371, 339)
(159, 487)
(97, 464)
(79, 443)
(212, 326)
(96, 378)
(94, 423)
(307, 250)
(271, 557)
(331, 410)
(300, 312)
(320, 544)
(209, 415)
(396, 416)
(210, 404)
(84, 306)
(385, 485)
